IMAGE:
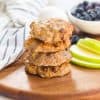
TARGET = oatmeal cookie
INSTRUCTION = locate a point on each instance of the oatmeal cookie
(38, 46)
(51, 31)
(48, 72)
(49, 59)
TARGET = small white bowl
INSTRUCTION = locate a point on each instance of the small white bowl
(91, 27)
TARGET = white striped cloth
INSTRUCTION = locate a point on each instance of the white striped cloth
(11, 45)
(13, 31)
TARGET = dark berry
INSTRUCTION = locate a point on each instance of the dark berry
(97, 9)
(74, 13)
(79, 10)
(87, 11)
(97, 17)
(98, 12)
(97, 4)
(82, 17)
(86, 16)
(80, 5)
(88, 7)
(93, 5)
(85, 3)
(75, 39)
(92, 14)
(78, 15)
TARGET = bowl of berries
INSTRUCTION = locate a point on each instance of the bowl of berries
(86, 16)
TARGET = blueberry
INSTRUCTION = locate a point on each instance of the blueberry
(86, 16)
(89, 11)
(97, 9)
(89, 6)
(79, 10)
(97, 4)
(75, 39)
(97, 13)
(97, 17)
(94, 5)
(92, 14)
(78, 15)
(85, 3)
(80, 5)
(73, 13)
(82, 18)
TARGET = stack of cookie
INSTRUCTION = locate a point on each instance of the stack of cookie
(47, 47)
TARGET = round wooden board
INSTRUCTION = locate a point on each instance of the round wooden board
(79, 84)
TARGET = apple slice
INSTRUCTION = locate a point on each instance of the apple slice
(85, 63)
(84, 54)
(93, 41)
(93, 47)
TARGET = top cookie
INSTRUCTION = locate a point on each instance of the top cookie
(51, 31)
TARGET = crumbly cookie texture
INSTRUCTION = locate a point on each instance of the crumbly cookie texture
(38, 46)
(52, 30)
(47, 48)
(48, 72)
(49, 59)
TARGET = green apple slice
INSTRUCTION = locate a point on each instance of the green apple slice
(93, 40)
(93, 47)
(84, 54)
(85, 63)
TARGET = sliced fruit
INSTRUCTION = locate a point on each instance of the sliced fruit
(84, 54)
(85, 64)
(91, 46)
(93, 40)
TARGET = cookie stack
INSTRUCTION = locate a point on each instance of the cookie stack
(47, 47)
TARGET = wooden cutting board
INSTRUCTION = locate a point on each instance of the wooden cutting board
(80, 84)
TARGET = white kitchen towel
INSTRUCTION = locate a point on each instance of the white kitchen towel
(13, 28)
